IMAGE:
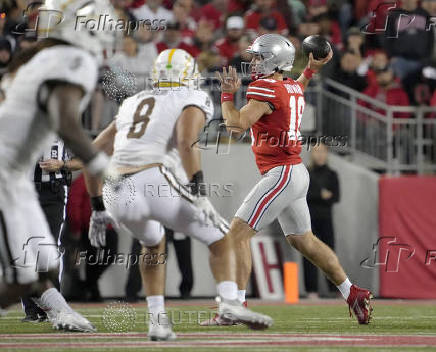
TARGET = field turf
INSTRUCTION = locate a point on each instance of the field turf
(322, 325)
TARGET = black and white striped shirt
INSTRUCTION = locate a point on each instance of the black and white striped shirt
(57, 151)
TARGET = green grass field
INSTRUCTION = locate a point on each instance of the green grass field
(314, 326)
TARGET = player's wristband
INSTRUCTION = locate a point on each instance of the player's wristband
(308, 73)
(97, 203)
(226, 97)
(196, 182)
(97, 164)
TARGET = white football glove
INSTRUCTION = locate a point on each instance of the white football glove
(209, 211)
(97, 227)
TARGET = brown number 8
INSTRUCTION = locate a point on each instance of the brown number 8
(144, 118)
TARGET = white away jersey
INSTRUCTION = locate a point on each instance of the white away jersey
(146, 124)
(25, 129)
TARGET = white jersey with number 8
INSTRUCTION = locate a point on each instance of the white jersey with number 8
(146, 124)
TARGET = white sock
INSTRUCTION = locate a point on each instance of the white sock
(228, 290)
(156, 307)
(52, 301)
(345, 288)
(241, 296)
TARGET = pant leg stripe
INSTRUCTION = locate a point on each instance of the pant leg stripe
(263, 196)
(270, 197)
(272, 200)
(174, 183)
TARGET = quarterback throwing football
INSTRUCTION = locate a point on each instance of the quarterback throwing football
(273, 114)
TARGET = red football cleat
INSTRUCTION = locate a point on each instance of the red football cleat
(359, 301)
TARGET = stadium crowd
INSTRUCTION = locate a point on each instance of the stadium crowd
(396, 64)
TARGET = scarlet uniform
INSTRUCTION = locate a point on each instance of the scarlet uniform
(281, 192)
(275, 137)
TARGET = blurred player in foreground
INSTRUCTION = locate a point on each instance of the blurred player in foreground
(147, 129)
(51, 85)
(273, 114)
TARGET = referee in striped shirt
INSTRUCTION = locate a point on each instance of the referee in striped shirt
(52, 176)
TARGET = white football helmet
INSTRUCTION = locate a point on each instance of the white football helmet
(90, 25)
(174, 67)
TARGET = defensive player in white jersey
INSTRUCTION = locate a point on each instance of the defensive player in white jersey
(148, 126)
(51, 85)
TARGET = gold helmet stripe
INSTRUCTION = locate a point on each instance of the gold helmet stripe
(170, 57)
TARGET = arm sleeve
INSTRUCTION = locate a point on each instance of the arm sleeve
(264, 90)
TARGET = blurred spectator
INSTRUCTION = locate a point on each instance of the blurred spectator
(322, 194)
(430, 7)
(152, 10)
(329, 29)
(355, 41)
(209, 61)
(342, 10)
(388, 90)
(268, 25)
(298, 11)
(420, 85)
(378, 60)
(242, 55)
(308, 28)
(433, 103)
(204, 36)
(264, 8)
(229, 45)
(316, 8)
(408, 41)
(134, 58)
(347, 72)
(213, 12)
(5, 54)
(181, 11)
(172, 38)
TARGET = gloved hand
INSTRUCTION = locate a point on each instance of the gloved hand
(209, 212)
(98, 223)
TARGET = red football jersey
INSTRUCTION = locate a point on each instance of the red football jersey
(275, 138)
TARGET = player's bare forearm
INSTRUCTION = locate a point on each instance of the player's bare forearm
(63, 106)
(105, 140)
(73, 164)
(191, 159)
(94, 184)
(303, 80)
(189, 126)
(232, 117)
(313, 66)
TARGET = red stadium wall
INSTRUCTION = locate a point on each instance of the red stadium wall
(407, 238)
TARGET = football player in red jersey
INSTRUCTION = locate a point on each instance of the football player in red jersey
(273, 114)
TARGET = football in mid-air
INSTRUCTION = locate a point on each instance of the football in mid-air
(316, 44)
